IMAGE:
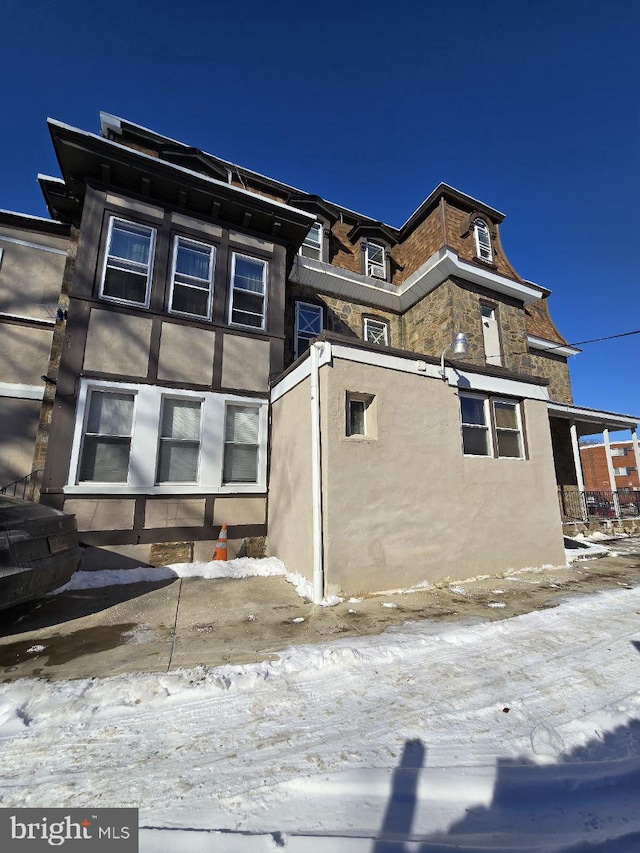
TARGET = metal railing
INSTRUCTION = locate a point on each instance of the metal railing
(581, 506)
(21, 488)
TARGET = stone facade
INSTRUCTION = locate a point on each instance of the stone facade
(460, 237)
(556, 370)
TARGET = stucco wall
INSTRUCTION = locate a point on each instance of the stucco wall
(245, 363)
(30, 278)
(407, 506)
(556, 370)
(24, 353)
(289, 534)
(118, 343)
(18, 425)
(186, 354)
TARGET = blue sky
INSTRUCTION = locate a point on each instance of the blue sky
(530, 106)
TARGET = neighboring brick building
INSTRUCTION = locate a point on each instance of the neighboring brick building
(596, 470)
(205, 301)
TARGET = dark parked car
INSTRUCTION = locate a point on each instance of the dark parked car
(39, 550)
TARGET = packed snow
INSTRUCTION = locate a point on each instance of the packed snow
(518, 734)
(241, 567)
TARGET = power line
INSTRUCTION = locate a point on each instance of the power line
(607, 338)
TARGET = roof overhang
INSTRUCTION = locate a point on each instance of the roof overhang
(551, 347)
(590, 421)
(443, 265)
(34, 223)
(86, 157)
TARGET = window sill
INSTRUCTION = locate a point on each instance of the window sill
(195, 490)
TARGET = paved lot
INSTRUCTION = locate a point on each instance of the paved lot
(187, 622)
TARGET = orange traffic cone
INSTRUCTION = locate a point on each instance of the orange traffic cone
(221, 547)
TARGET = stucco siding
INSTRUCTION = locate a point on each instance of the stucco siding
(18, 425)
(290, 507)
(118, 343)
(186, 354)
(407, 506)
(245, 363)
(24, 353)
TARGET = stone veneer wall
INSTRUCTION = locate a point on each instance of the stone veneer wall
(427, 326)
(340, 316)
(424, 241)
(556, 370)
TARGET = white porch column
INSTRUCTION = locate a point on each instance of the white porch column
(612, 476)
(577, 463)
(636, 449)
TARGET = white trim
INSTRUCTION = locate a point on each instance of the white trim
(549, 346)
(40, 321)
(107, 255)
(31, 215)
(613, 420)
(145, 437)
(437, 269)
(33, 245)
(22, 392)
(316, 474)
(212, 270)
(232, 288)
(383, 323)
(51, 179)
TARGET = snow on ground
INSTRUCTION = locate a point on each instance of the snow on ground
(241, 567)
(517, 734)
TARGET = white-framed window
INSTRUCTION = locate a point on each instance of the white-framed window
(128, 262)
(312, 245)
(241, 444)
(106, 445)
(248, 302)
(309, 320)
(192, 275)
(179, 443)
(376, 332)
(618, 451)
(360, 415)
(375, 262)
(145, 439)
(483, 240)
(623, 472)
(491, 426)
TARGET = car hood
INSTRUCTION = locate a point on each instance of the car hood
(14, 511)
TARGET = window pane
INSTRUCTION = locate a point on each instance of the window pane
(125, 284)
(105, 459)
(110, 414)
(309, 320)
(375, 254)
(356, 417)
(506, 415)
(193, 260)
(251, 302)
(475, 441)
(178, 462)
(472, 411)
(130, 241)
(181, 419)
(249, 275)
(240, 464)
(375, 332)
(242, 425)
(190, 300)
(508, 443)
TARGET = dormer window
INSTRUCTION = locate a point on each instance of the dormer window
(375, 262)
(483, 240)
(312, 246)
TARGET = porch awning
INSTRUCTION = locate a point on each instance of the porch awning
(590, 421)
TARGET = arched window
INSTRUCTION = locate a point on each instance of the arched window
(483, 240)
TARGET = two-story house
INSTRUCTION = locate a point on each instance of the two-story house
(237, 350)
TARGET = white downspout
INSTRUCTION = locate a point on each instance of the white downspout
(316, 478)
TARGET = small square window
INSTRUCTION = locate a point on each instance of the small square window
(360, 415)
(491, 427)
(376, 332)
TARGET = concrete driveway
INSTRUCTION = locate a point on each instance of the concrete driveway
(158, 627)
